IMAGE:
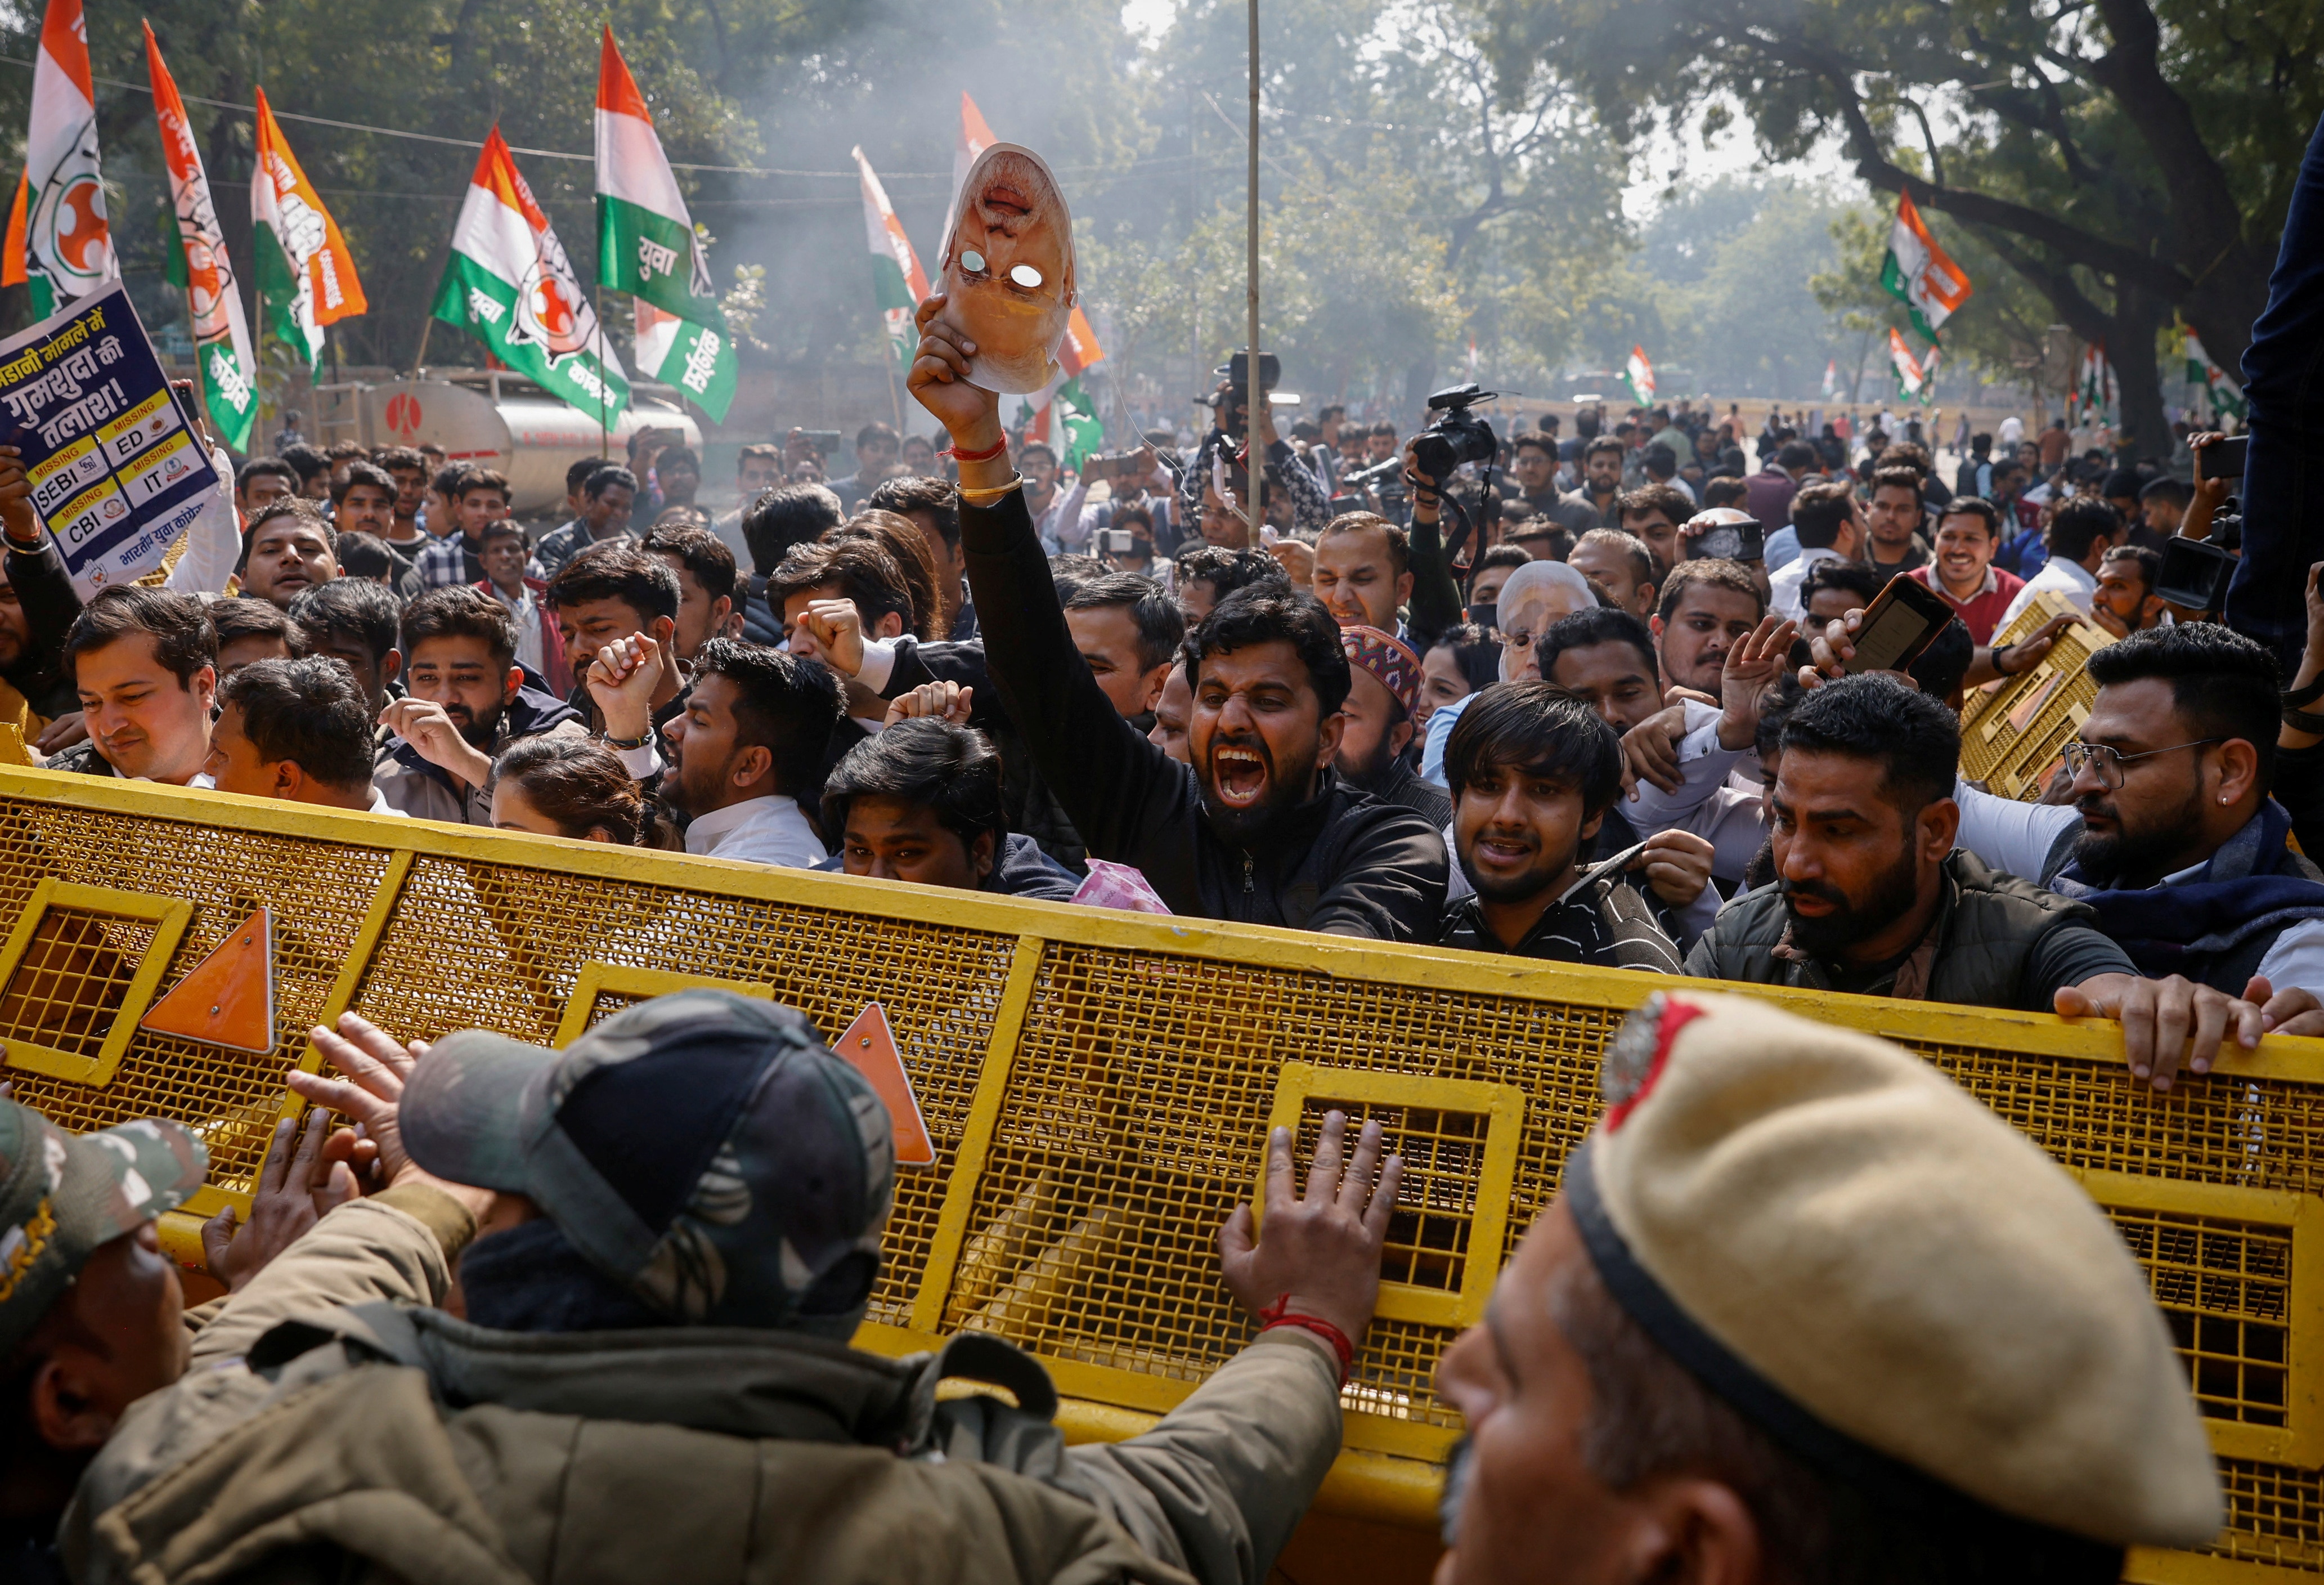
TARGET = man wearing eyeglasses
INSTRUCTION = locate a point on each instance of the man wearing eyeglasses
(2171, 837)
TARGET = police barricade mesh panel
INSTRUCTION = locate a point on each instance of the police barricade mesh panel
(1098, 1087)
(2013, 729)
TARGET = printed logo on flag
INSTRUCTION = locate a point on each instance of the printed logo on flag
(69, 229)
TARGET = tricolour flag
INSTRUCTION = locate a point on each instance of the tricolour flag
(509, 283)
(2222, 395)
(1919, 274)
(57, 242)
(195, 254)
(696, 358)
(1640, 375)
(646, 245)
(1831, 379)
(2094, 385)
(1910, 376)
(898, 281)
(1929, 376)
(306, 276)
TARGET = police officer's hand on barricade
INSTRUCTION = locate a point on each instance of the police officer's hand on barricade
(298, 1186)
(1315, 1256)
(375, 1069)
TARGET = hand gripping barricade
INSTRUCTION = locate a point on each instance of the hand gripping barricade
(1097, 1087)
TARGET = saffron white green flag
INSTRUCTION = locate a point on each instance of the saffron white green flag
(1640, 375)
(1910, 376)
(59, 244)
(2222, 395)
(898, 281)
(1919, 274)
(306, 276)
(1831, 379)
(509, 284)
(194, 259)
(646, 247)
(696, 358)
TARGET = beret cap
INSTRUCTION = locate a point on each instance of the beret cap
(1869, 1263)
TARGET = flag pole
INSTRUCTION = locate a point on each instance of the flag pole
(1256, 473)
(604, 439)
(895, 403)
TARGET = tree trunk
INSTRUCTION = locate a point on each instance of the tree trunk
(2130, 346)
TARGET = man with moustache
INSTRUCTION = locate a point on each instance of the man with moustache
(1872, 897)
(1804, 1309)
(1259, 828)
(466, 702)
(1535, 771)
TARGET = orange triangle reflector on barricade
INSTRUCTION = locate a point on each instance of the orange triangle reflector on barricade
(229, 997)
(869, 1045)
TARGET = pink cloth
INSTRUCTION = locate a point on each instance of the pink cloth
(1119, 886)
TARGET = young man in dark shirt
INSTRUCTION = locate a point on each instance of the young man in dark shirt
(1259, 828)
(1534, 771)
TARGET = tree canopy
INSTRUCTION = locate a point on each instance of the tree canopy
(2128, 160)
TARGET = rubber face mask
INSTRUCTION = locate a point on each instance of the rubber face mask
(1008, 270)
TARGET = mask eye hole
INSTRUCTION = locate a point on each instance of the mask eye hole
(972, 262)
(1024, 275)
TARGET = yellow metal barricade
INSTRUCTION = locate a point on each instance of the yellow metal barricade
(2014, 730)
(1098, 1087)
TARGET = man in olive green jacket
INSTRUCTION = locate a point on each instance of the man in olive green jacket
(664, 1236)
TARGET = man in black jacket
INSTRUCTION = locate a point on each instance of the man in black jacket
(1260, 829)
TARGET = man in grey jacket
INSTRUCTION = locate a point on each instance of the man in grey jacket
(665, 1234)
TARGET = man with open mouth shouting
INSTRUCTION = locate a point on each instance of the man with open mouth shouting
(1259, 828)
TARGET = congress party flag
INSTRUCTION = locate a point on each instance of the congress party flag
(2221, 394)
(509, 283)
(1929, 376)
(1080, 350)
(58, 243)
(1831, 379)
(1917, 272)
(1640, 375)
(646, 247)
(1910, 376)
(197, 260)
(898, 281)
(306, 276)
(696, 358)
(2094, 391)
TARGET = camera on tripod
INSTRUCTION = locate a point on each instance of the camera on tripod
(1456, 436)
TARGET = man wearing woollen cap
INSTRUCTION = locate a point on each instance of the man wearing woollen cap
(1805, 1311)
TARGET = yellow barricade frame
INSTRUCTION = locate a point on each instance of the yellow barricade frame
(1100, 1085)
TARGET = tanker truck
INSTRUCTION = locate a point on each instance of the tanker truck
(496, 420)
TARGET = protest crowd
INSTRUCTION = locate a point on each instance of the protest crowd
(1587, 699)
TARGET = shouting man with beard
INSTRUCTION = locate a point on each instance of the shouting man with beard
(1259, 828)
(1872, 897)
(467, 702)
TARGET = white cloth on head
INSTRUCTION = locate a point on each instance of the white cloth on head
(1563, 587)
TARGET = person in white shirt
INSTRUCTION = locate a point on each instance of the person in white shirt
(1824, 518)
(748, 743)
(2012, 431)
(297, 730)
(2081, 532)
(2171, 836)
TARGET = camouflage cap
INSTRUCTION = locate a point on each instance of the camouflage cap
(703, 1149)
(61, 1195)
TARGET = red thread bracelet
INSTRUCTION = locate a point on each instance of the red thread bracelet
(1277, 1314)
(957, 455)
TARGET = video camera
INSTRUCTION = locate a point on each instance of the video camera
(1457, 435)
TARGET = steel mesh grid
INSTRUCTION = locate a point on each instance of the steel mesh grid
(316, 892)
(2225, 1288)
(74, 974)
(2276, 1515)
(525, 936)
(1443, 1153)
(1115, 1157)
(2247, 1132)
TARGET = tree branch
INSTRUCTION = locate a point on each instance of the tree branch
(2083, 318)
(1978, 209)
(2205, 219)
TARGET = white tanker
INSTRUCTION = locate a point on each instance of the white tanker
(495, 420)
